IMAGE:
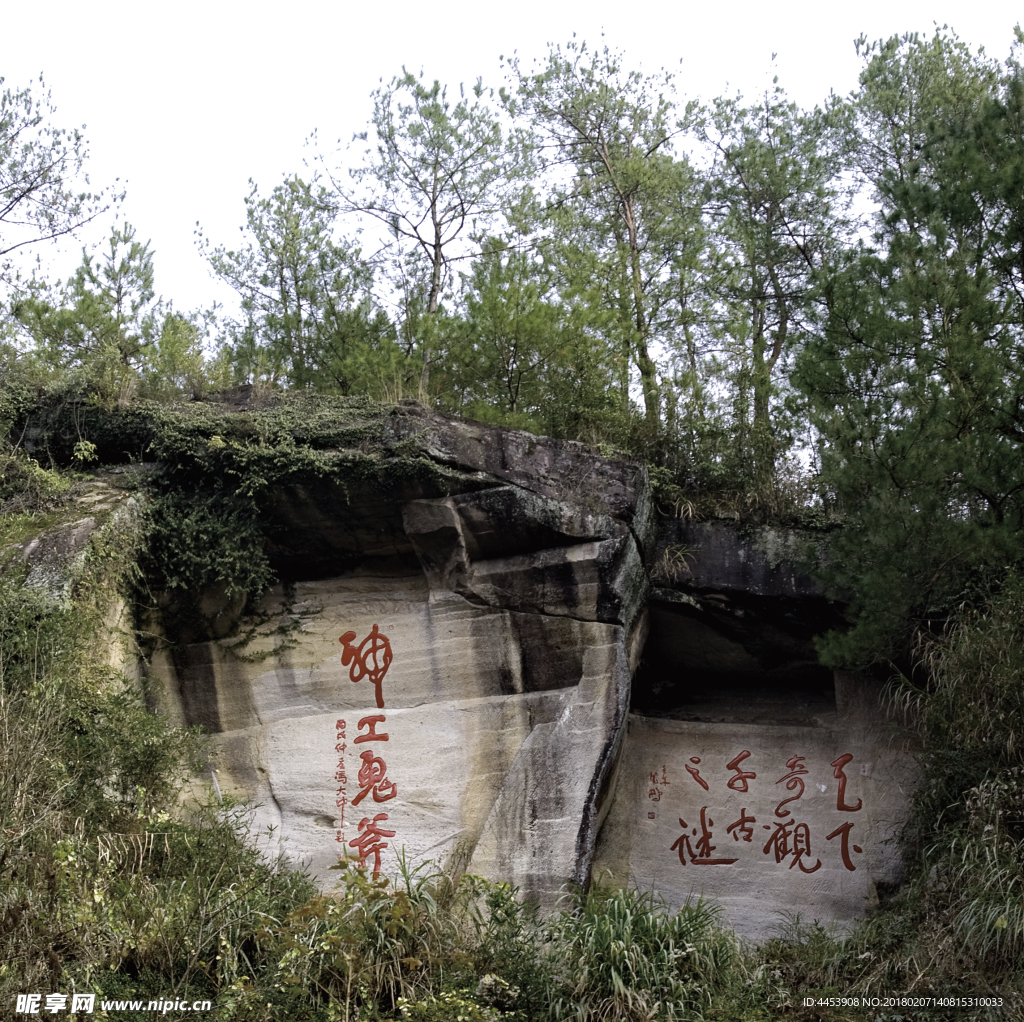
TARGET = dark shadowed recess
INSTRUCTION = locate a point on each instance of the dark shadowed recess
(325, 528)
(727, 657)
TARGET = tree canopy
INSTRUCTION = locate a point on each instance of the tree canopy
(43, 188)
(813, 315)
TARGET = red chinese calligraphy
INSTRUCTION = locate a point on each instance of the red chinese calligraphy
(844, 832)
(370, 659)
(840, 776)
(702, 857)
(371, 724)
(372, 779)
(794, 782)
(695, 773)
(738, 782)
(791, 838)
(369, 840)
(742, 827)
(658, 784)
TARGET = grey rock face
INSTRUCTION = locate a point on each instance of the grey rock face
(508, 606)
(714, 556)
(507, 547)
(733, 618)
(546, 639)
(561, 470)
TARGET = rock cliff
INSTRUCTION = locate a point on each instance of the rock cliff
(508, 592)
(486, 649)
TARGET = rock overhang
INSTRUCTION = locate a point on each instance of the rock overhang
(548, 633)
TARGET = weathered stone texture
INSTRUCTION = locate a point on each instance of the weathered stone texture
(506, 700)
(518, 608)
(658, 803)
(713, 556)
(57, 563)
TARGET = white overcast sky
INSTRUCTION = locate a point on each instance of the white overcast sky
(185, 101)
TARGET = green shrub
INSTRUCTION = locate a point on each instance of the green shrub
(967, 825)
(26, 486)
(506, 942)
(448, 1007)
(367, 945)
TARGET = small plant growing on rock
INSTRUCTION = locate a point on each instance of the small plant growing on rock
(85, 452)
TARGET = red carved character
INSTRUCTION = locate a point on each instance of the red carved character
(704, 846)
(794, 783)
(371, 735)
(739, 781)
(369, 840)
(840, 776)
(844, 831)
(372, 780)
(340, 776)
(800, 836)
(656, 790)
(370, 659)
(742, 827)
(695, 773)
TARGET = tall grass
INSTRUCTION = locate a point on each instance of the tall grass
(624, 957)
(365, 946)
(967, 828)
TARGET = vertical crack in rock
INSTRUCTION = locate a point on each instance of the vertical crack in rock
(602, 783)
(197, 685)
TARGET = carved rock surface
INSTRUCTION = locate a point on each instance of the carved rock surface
(563, 666)
(789, 837)
(508, 611)
(496, 724)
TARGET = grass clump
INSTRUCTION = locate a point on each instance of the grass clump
(624, 957)
(966, 835)
(433, 949)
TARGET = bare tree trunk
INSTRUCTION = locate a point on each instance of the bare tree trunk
(648, 369)
(433, 301)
